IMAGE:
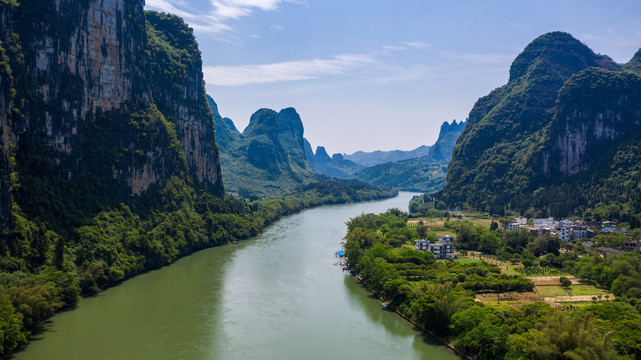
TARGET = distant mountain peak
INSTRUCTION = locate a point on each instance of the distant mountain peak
(321, 155)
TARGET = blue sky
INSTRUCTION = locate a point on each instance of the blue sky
(381, 75)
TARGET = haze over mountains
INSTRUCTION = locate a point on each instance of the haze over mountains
(379, 157)
(425, 173)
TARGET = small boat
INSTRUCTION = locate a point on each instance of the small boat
(384, 304)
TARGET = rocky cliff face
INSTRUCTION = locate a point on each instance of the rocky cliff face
(226, 132)
(596, 108)
(79, 56)
(6, 97)
(102, 96)
(177, 90)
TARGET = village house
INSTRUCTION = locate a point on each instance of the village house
(549, 222)
(517, 223)
(581, 232)
(540, 230)
(442, 249)
(630, 245)
(608, 227)
(421, 245)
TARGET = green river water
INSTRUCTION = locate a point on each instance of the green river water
(277, 296)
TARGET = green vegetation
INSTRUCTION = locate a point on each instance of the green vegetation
(43, 271)
(438, 295)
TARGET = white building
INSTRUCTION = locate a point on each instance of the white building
(608, 227)
(549, 222)
(421, 245)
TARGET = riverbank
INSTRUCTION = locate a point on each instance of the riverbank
(428, 333)
(207, 305)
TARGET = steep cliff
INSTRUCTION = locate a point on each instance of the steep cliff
(595, 109)
(109, 104)
(546, 140)
(177, 90)
(108, 160)
(6, 103)
(425, 173)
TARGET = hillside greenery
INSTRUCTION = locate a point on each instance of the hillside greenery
(267, 158)
(515, 154)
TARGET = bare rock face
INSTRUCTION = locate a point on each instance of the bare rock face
(596, 109)
(80, 56)
(6, 97)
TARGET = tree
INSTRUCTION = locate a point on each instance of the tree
(10, 334)
(565, 282)
(561, 336)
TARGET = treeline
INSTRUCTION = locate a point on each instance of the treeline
(439, 295)
(42, 271)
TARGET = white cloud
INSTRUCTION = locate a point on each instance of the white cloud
(417, 44)
(283, 71)
(372, 67)
(215, 20)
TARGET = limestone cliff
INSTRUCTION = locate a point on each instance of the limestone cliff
(6, 99)
(596, 108)
(177, 90)
(108, 104)
(425, 173)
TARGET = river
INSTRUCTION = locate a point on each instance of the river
(277, 296)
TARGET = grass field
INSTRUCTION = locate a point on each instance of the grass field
(475, 218)
(577, 290)
(550, 291)
(584, 289)
(467, 261)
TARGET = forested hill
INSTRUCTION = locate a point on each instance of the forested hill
(268, 157)
(425, 173)
(563, 135)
